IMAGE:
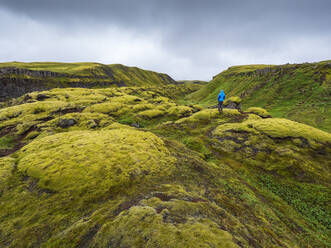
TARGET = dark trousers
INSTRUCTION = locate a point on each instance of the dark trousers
(220, 106)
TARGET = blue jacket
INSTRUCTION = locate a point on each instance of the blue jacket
(221, 96)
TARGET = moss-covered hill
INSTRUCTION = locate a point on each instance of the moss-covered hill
(300, 92)
(130, 167)
(18, 78)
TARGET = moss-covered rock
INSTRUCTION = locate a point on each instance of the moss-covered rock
(233, 102)
(143, 226)
(259, 111)
(180, 111)
(95, 161)
(28, 113)
(207, 115)
(279, 145)
(151, 113)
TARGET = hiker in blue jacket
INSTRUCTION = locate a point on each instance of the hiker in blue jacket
(220, 98)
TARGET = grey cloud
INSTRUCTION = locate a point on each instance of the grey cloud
(203, 37)
(179, 12)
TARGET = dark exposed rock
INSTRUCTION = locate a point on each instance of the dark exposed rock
(16, 87)
(15, 82)
(64, 111)
(33, 73)
(41, 97)
(19, 140)
(65, 123)
(92, 123)
(27, 97)
(213, 107)
(33, 186)
(136, 124)
(109, 72)
(48, 118)
(232, 105)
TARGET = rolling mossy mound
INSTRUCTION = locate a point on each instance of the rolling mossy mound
(282, 146)
(132, 167)
(300, 92)
(75, 161)
(259, 111)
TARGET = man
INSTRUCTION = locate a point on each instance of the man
(220, 98)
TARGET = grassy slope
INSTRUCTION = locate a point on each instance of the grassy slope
(129, 75)
(299, 92)
(135, 169)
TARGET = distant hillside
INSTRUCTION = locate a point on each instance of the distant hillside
(300, 92)
(192, 82)
(17, 78)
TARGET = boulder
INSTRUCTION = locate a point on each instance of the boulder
(65, 123)
(233, 102)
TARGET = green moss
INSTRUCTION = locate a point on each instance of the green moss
(106, 108)
(235, 99)
(228, 127)
(32, 135)
(141, 107)
(25, 114)
(143, 226)
(152, 113)
(196, 144)
(258, 111)
(6, 166)
(281, 128)
(71, 68)
(85, 120)
(206, 115)
(285, 147)
(253, 117)
(247, 68)
(203, 115)
(65, 162)
(278, 128)
(117, 125)
(180, 111)
(309, 199)
(7, 142)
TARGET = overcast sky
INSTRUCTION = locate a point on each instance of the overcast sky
(188, 39)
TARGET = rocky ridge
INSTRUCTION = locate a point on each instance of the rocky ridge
(17, 80)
